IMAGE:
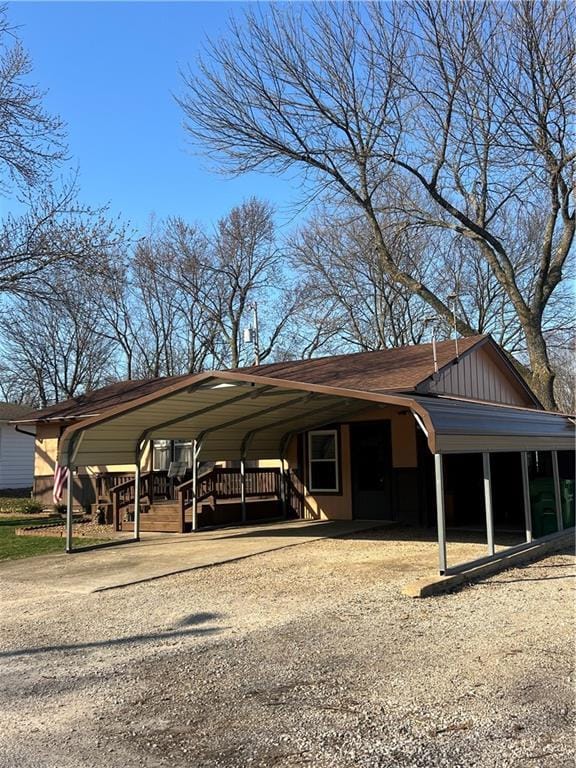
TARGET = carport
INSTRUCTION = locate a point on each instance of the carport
(235, 415)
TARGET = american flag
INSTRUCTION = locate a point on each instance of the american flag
(60, 478)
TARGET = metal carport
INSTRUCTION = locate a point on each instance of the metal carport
(233, 415)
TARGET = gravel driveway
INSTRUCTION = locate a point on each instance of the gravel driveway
(303, 656)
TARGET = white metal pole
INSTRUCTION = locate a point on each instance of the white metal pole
(69, 505)
(557, 491)
(488, 503)
(256, 335)
(137, 502)
(440, 512)
(194, 484)
(526, 492)
(434, 354)
(243, 486)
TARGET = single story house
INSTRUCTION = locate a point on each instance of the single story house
(16, 448)
(445, 434)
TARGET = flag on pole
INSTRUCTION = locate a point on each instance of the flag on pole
(60, 478)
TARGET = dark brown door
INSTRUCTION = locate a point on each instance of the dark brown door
(371, 452)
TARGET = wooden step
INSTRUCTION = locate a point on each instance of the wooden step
(154, 526)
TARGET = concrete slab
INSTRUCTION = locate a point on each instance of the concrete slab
(160, 555)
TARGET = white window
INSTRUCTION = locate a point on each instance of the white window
(183, 452)
(323, 460)
(161, 455)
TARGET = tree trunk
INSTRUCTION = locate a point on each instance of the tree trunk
(541, 375)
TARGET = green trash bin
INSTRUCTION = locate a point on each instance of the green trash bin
(543, 506)
(567, 496)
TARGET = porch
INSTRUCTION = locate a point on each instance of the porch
(224, 496)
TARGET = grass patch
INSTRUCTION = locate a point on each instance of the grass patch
(14, 547)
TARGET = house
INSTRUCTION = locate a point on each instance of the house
(447, 434)
(16, 448)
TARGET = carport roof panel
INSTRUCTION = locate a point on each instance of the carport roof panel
(207, 402)
(211, 400)
(464, 426)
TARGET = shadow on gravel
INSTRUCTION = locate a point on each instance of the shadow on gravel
(503, 582)
(198, 618)
(120, 641)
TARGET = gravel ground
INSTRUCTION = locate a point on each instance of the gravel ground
(304, 656)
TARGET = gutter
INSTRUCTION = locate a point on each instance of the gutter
(23, 431)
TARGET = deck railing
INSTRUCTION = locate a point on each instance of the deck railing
(216, 484)
(226, 483)
(153, 486)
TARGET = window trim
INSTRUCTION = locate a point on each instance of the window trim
(336, 461)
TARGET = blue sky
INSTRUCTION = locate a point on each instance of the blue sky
(110, 70)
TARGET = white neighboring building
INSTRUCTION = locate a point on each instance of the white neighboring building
(16, 449)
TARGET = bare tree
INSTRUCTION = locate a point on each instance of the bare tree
(467, 106)
(52, 349)
(54, 230)
(349, 300)
(245, 267)
(31, 140)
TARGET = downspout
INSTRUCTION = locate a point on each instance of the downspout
(23, 431)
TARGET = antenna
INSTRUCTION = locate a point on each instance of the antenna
(251, 334)
(428, 321)
(452, 299)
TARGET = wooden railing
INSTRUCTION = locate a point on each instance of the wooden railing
(225, 483)
(153, 486)
(216, 484)
(105, 482)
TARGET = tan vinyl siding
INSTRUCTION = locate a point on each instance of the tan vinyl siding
(404, 455)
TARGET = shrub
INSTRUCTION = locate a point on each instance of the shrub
(32, 507)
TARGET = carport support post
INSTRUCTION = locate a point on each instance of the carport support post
(557, 491)
(526, 491)
(137, 501)
(488, 503)
(196, 447)
(69, 503)
(283, 487)
(243, 486)
(439, 470)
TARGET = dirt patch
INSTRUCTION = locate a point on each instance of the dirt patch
(83, 530)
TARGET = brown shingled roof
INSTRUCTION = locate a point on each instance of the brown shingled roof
(398, 368)
(100, 399)
(10, 411)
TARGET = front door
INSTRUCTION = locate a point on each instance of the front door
(371, 452)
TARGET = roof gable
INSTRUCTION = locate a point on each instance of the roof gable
(385, 370)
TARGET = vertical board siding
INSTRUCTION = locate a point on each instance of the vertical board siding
(16, 458)
(477, 376)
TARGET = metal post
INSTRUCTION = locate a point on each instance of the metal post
(195, 453)
(438, 466)
(137, 502)
(526, 492)
(243, 486)
(69, 503)
(557, 491)
(488, 503)
(283, 488)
